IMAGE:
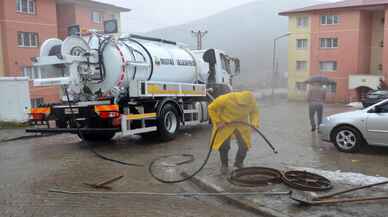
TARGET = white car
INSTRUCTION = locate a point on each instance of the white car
(350, 130)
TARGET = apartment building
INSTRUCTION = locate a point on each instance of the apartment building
(25, 24)
(343, 41)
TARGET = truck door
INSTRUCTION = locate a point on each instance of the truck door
(377, 125)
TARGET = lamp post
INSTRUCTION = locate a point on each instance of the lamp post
(274, 61)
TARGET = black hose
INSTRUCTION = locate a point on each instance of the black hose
(110, 159)
(208, 154)
(187, 177)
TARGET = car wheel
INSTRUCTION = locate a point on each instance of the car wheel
(347, 139)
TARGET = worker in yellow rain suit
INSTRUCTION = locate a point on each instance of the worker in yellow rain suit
(237, 106)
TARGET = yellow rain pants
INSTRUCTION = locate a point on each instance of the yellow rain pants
(236, 106)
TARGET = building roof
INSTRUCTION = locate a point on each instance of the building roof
(338, 5)
(97, 3)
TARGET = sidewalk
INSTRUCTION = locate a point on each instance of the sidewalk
(283, 206)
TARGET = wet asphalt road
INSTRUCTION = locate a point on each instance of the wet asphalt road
(30, 167)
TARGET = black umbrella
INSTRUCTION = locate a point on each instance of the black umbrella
(320, 79)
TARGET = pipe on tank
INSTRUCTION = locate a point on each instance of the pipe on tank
(148, 53)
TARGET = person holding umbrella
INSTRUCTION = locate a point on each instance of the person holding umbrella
(316, 98)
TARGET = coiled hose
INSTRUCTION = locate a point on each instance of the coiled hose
(234, 123)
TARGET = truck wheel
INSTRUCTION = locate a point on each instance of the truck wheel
(168, 122)
(94, 137)
(347, 139)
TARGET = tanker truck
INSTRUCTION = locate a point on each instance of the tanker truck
(132, 84)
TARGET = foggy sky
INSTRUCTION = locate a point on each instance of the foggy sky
(147, 15)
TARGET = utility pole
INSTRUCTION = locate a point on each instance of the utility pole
(199, 35)
(275, 63)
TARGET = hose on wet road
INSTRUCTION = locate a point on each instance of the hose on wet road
(234, 123)
(152, 163)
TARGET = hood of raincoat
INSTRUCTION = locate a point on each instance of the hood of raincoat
(244, 98)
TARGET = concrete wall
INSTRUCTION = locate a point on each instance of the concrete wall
(15, 98)
(385, 49)
(295, 54)
(377, 37)
(44, 22)
(66, 18)
(80, 14)
(348, 52)
(364, 42)
(2, 71)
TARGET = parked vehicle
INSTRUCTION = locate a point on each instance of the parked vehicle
(375, 97)
(350, 130)
(133, 84)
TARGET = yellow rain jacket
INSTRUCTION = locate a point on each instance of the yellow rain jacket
(237, 106)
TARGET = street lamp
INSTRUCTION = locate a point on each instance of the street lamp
(274, 60)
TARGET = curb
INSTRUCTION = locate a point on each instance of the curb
(246, 205)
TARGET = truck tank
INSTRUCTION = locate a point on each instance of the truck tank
(106, 65)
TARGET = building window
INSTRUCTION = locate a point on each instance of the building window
(302, 22)
(300, 86)
(329, 43)
(328, 66)
(301, 66)
(37, 102)
(28, 39)
(31, 72)
(301, 43)
(329, 20)
(96, 17)
(26, 6)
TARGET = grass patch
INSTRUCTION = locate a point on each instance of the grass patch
(12, 125)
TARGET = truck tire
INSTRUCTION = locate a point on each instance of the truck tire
(100, 136)
(168, 122)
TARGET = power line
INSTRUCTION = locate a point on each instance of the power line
(199, 35)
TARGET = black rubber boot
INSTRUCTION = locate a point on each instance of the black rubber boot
(224, 151)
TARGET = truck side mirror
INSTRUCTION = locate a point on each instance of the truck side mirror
(111, 26)
(210, 57)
